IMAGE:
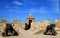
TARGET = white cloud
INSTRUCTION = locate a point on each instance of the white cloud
(41, 10)
(29, 2)
(6, 6)
(53, 0)
(55, 6)
(17, 3)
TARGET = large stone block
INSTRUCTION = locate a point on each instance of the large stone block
(2, 25)
(57, 24)
(18, 25)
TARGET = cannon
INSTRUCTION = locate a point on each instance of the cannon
(50, 30)
(9, 31)
(28, 26)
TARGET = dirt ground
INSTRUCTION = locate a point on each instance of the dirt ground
(26, 35)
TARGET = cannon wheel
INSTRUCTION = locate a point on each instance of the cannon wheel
(3, 34)
(15, 33)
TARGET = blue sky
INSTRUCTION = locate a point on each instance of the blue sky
(40, 9)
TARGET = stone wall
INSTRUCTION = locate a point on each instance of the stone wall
(35, 26)
(18, 25)
(39, 26)
(57, 24)
(2, 25)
